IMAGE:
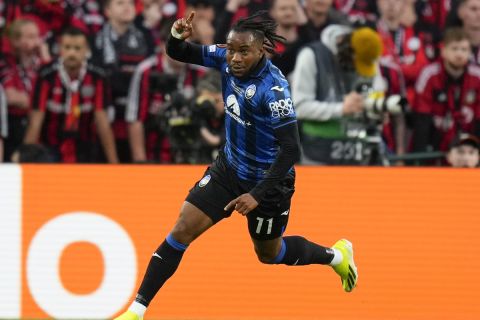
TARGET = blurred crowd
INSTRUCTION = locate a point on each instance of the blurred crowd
(374, 82)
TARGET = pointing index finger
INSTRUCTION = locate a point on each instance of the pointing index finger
(190, 17)
(230, 205)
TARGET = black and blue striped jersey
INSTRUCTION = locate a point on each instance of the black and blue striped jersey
(254, 106)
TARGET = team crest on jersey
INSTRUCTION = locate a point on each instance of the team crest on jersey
(470, 97)
(212, 48)
(250, 92)
(204, 181)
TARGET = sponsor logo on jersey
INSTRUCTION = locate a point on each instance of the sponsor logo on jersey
(250, 92)
(204, 181)
(232, 104)
(277, 88)
(281, 108)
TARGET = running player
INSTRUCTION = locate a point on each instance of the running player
(254, 173)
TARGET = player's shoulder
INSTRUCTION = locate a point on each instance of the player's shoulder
(474, 70)
(427, 75)
(275, 83)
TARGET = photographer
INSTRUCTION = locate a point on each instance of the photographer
(209, 116)
(342, 92)
(158, 82)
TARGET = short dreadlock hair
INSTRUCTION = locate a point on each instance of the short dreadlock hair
(263, 29)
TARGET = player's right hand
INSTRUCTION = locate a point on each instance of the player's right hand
(182, 28)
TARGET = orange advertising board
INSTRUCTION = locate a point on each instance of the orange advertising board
(77, 240)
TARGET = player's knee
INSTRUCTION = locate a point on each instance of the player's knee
(182, 233)
(265, 256)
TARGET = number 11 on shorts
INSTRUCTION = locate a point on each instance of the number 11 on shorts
(260, 223)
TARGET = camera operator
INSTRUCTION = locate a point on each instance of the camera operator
(157, 84)
(342, 91)
(208, 110)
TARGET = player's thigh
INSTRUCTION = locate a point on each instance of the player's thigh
(265, 227)
(191, 223)
(212, 193)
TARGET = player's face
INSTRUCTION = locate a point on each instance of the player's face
(244, 52)
(457, 53)
(73, 51)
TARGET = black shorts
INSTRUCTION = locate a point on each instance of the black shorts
(220, 185)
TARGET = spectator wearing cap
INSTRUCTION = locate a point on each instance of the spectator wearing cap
(324, 90)
(28, 53)
(464, 152)
(447, 98)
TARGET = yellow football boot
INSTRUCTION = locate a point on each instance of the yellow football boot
(346, 269)
(128, 315)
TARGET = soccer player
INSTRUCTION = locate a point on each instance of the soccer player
(254, 173)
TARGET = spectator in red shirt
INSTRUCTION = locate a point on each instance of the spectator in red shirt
(357, 10)
(154, 81)
(409, 46)
(119, 47)
(447, 96)
(29, 52)
(69, 102)
(434, 12)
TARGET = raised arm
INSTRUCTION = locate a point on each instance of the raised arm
(179, 49)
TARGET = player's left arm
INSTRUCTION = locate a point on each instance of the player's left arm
(288, 155)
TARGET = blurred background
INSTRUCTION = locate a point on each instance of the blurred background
(374, 82)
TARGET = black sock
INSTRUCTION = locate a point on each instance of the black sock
(162, 266)
(299, 251)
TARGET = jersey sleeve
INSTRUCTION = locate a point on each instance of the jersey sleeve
(279, 105)
(214, 55)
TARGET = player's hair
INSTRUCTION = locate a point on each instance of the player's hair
(454, 34)
(262, 29)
